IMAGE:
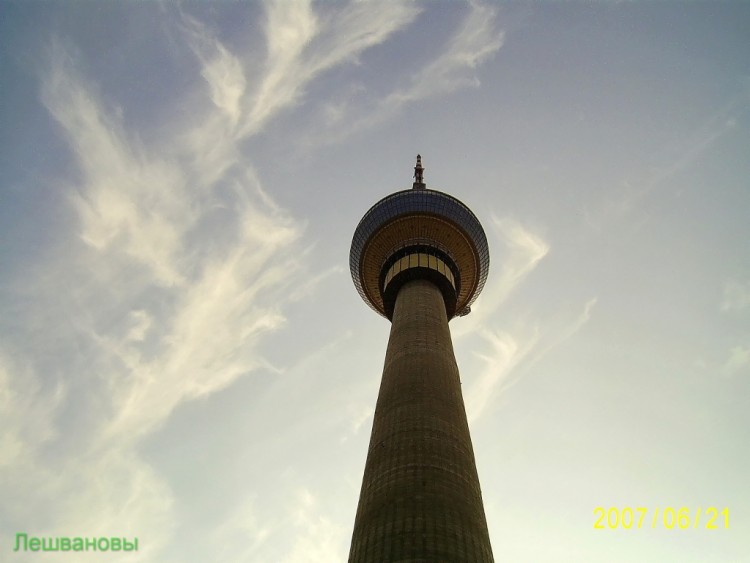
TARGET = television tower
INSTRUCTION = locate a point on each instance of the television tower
(419, 257)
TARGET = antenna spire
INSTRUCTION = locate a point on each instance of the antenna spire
(418, 175)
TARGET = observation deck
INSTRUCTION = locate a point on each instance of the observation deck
(419, 234)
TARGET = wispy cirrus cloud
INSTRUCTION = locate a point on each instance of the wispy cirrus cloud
(27, 412)
(290, 26)
(222, 70)
(142, 215)
(506, 352)
(519, 347)
(179, 264)
(304, 41)
(318, 539)
(737, 362)
(302, 44)
(128, 204)
(474, 42)
(511, 347)
(686, 152)
(522, 250)
(243, 535)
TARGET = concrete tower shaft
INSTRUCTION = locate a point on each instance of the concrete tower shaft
(419, 257)
(420, 498)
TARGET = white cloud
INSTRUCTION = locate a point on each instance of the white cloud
(181, 265)
(738, 360)
(302, 44)
(522, 250)
(27, 412)
(317, 538)
(302, 41)
(524, 345)
(525, 342)
(96, 491)
(309, 286)
(686, 153)
(290, 26)
(563, 329)
(243, 534)
(141, 323)
(525, 250)
(222, 70)
(357, 27)
(140, 207)
(358, 415)
(129, 204)
(506, 353)
(475, 41)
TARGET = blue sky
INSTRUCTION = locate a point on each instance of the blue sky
(184, 358)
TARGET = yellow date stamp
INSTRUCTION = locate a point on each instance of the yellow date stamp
(669, 517)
